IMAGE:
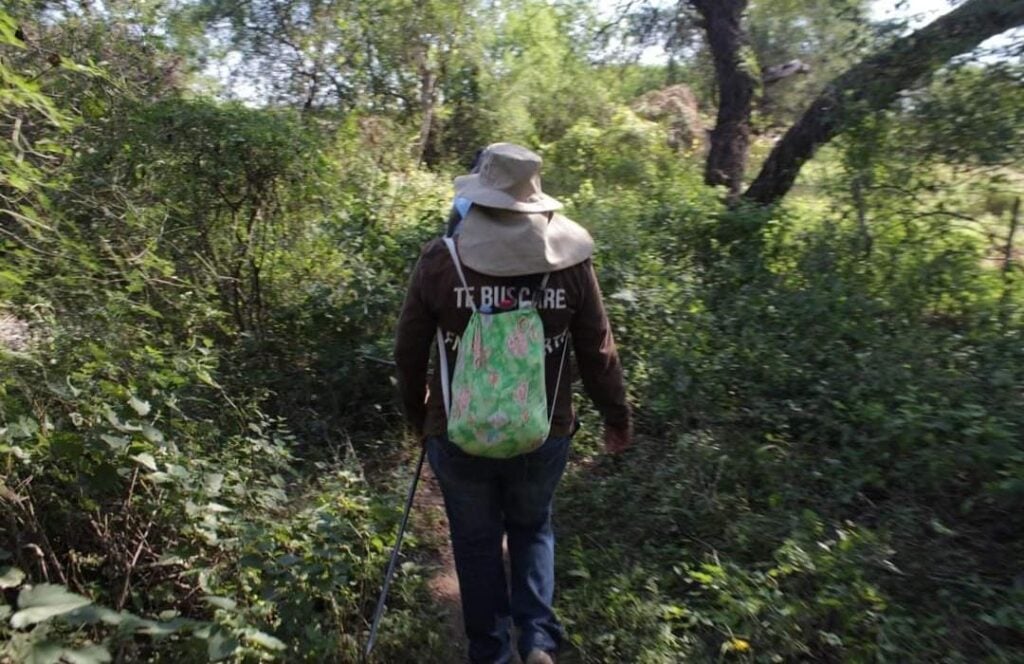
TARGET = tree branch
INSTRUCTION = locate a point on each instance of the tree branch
(875, 83)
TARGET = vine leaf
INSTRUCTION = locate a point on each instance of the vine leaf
(39, 603)
(139, 406)
(11, 577)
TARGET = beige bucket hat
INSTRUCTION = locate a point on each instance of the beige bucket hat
(513, 227)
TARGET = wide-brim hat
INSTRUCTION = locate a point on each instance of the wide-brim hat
(508, 243)
(513, 228)
(507, 177)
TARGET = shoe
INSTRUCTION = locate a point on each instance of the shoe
(538, 656)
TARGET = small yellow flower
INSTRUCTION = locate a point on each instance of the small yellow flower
(739, 645)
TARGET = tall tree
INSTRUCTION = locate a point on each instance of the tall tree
(386, 57)
(811, 40)
(735, 71)
(876, 82)
(771, 55)
(538, 82)
(871, 85)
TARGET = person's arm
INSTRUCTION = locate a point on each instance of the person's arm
(417, 326)
(599, 364)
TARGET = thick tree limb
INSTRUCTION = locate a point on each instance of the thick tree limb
(730, 138)
(875, 83)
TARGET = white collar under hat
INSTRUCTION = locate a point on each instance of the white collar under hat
(512, 228)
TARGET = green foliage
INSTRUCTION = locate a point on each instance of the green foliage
(972, 115)
(20, 94)
(139, 466)
(341, 54)
(794, 606)
(200, 456)
(876, 384)
(623, 152)
(826, 35)
(25, 183)
(537, 84)
(256, 175)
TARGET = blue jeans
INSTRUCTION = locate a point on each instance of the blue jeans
(485, 498)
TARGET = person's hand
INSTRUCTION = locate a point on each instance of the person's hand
(617, 439)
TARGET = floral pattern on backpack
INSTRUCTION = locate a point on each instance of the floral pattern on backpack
(497, 402)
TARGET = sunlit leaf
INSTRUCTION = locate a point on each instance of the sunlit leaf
(221, 645)
(152, 434)
(225, 603)
(264, 640)
(213, 483)
(11, 577)
(45, 601)
(139, 406)
(146, 460)
(116, 443)
(87, 655)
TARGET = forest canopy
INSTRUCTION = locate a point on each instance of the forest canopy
(807, 224)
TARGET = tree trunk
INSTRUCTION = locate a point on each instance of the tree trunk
(1009, 263)
(875, 83)
(428, 101)
(730, 138)
(1008, 251)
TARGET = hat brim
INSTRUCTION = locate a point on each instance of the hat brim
(508, 243)
(470, 188)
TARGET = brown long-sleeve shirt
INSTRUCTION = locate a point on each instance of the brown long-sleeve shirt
(571, 303)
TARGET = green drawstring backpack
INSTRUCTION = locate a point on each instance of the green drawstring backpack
(497, 401)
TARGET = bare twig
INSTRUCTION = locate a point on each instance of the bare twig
(1014, 224)
(378, 360)
(30, 511)
(130, 567)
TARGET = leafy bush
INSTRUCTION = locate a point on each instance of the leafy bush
(876, 393)
(149, 490)
(199, 448)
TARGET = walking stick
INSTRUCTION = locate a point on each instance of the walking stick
(394, 559)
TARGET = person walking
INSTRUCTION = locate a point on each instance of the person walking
(514, 286)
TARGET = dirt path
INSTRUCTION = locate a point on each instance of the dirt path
(431, 525)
